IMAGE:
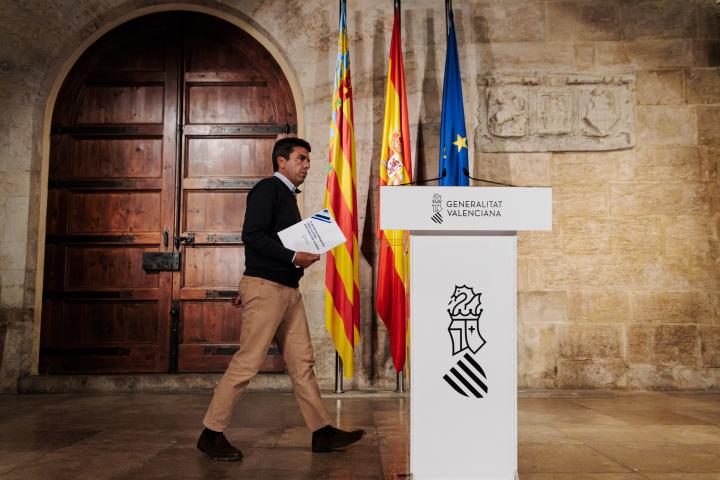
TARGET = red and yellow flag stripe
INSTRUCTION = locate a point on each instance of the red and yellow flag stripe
(342, 294)
(395, 169)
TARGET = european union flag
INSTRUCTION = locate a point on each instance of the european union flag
(453, 138)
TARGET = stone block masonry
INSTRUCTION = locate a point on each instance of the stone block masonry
(623, 293)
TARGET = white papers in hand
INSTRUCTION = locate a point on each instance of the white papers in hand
(316, 234)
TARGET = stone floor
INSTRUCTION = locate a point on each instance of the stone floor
(650, 436)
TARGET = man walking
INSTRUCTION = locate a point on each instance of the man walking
(272, 307)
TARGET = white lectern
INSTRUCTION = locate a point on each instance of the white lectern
(463, 340)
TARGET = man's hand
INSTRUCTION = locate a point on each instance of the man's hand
(236, 302)
(305, 259)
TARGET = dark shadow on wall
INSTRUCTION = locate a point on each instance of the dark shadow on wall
(359, 64)
(489, 166)
(324, 82)
(321, 94)
(3, 332)
(369, 246)
(479, 30)
(483, 165)
(426, 153)
(378, 353)
(710, 32)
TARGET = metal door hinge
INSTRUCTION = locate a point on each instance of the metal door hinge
(161, 261)
(220, 293)
(188, 240)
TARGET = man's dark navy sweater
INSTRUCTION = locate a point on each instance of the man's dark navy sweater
(271, 207)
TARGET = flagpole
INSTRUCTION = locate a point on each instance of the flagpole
(399, 376)
(448, 8)
(338, 374)
(338, 360)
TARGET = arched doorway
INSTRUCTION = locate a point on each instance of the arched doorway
(158, 133)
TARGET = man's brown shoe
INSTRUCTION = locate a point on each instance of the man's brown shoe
(216, 446)
(330, 438)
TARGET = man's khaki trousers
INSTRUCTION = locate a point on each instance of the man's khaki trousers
(270, 310)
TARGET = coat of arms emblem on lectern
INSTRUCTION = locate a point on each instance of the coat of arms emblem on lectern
(437, 208)
(467, 376)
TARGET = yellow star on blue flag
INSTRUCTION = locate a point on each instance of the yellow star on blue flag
(460, 143)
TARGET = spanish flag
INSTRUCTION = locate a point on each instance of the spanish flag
(342, 295)
(395, 169)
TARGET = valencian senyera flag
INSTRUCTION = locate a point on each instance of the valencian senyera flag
(342, 294)
(453, 137)
(395, 169)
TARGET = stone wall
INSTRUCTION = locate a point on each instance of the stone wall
(622, 294)
(624, 291)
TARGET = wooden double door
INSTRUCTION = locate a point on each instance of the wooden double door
(158, 133)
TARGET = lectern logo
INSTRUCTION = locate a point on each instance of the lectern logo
(437, 208)
(467, 376)
(465, 310)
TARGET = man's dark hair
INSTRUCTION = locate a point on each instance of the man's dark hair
(284, 147)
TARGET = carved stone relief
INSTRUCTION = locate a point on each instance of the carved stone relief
(545, 113)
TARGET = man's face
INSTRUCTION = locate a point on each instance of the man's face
(296, 167)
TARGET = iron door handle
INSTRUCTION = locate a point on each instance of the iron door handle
(188, 240)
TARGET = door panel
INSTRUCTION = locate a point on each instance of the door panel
(213, 267)
(210, 343)
(229, 157)
(129, 211)
(215, 212)
(234, 107)
(206, 58)
(126, 104)
(116, 158)
(112, 194)
(142, 53)
(126, 322)
(209, 104)
(108, 267)
(159, 132)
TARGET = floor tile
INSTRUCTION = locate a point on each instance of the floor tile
(565, 459)
(623, 436)
(655, 458)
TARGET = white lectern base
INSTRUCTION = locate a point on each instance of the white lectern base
(463, 401)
